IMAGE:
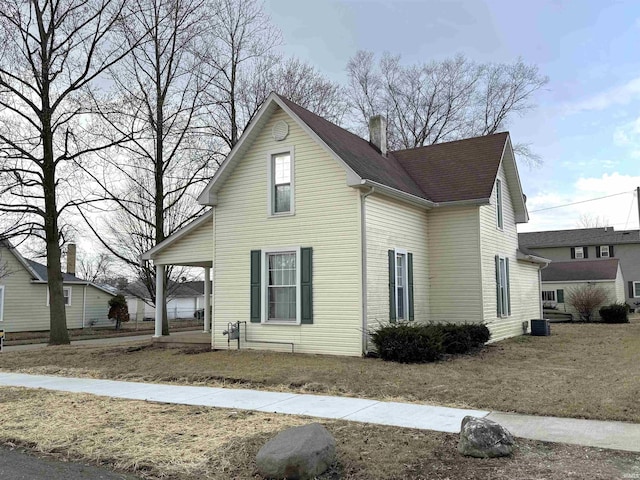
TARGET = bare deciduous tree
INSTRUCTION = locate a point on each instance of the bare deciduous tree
(587, 220)
(95, 268)
(152, 180)
(52, 52)
(440, 101)
(585, 299)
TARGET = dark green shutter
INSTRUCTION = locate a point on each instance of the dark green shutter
(256, 267)
(586, 252)
(611, 251)
(573, 253)
(392, 285)
(508, 284)
(306, 284)
(498, 302)
(631, 290)
(560, 296)
(410, 282)
(598, 251)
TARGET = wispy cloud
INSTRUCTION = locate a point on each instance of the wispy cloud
(619, 95)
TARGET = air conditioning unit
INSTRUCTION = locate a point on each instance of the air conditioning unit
(540, 327)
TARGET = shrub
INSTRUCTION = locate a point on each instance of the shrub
(615, 313)
(118, 310)
(416, 342)
(461, 338)
(585, 299)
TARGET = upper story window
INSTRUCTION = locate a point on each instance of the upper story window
(604, 251)
(579, 252)
(499, 215)
(281, 183)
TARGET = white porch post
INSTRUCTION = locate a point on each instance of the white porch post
(159, 299)
(207, 299)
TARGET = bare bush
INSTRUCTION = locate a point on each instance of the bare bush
(585, 299)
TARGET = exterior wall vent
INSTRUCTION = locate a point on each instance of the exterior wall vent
(280, 131)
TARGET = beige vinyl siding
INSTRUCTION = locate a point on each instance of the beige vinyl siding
(523, 276)
(454, 265)
(195, 247)
(390, 225)
(25, 302)
(620, 288)
(327, 218)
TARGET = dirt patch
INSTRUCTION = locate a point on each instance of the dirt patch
(582, 370)
(183, 442)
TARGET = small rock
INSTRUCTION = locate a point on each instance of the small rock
(483, 438)
(297, 453)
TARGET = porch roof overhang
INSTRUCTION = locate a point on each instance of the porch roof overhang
(191, 246)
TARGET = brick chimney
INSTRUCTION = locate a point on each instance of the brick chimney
(378, 133)
(71, 258)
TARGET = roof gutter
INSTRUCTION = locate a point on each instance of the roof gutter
(532, 258)
(398, 194)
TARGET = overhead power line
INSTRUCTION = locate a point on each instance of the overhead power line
(583, 201)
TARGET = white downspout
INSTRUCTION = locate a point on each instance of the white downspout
(84, 305)
(363, 249)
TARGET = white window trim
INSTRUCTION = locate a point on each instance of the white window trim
(504, 308)
(1, 303)
(581, 250)
(270, 185)
(405, 299)
(499, 205)
(636, 289)
(602, 255)
(70, 289)
(264, 299)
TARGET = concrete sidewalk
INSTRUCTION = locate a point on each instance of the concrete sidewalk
(615, 435)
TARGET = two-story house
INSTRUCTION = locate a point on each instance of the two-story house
(316, 236)
(579, 250)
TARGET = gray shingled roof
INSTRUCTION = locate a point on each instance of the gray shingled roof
(585, 270)
(444, 172)
(578, 237)
(41, 270)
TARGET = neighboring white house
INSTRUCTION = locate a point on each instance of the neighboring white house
(184, 300)
(317, 236)
(24, 296)
(560, 278)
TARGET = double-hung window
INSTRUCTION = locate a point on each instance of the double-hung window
(503, 293)
(281, 201)
(402, 293)
(579, 252)
(604, 251)
(401, 305)
(549, 296)
(499, 213)
(636, 289)
(282, 286)
(66, 291)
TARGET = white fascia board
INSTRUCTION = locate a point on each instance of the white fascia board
(149, 254)
(465, 203)
(397, 194)
(523, 215)
(22, 260)
(207, 197)
(76, 282)
(545, 282)
(532, 258)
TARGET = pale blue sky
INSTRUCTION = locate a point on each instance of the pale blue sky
(587, 125)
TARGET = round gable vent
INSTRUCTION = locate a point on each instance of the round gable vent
(280, 131)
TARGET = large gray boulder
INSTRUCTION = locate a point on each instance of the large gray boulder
(297, 453)
(483, 438)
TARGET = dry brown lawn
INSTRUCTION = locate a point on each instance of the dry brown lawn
(582, 370)
(184, 442)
